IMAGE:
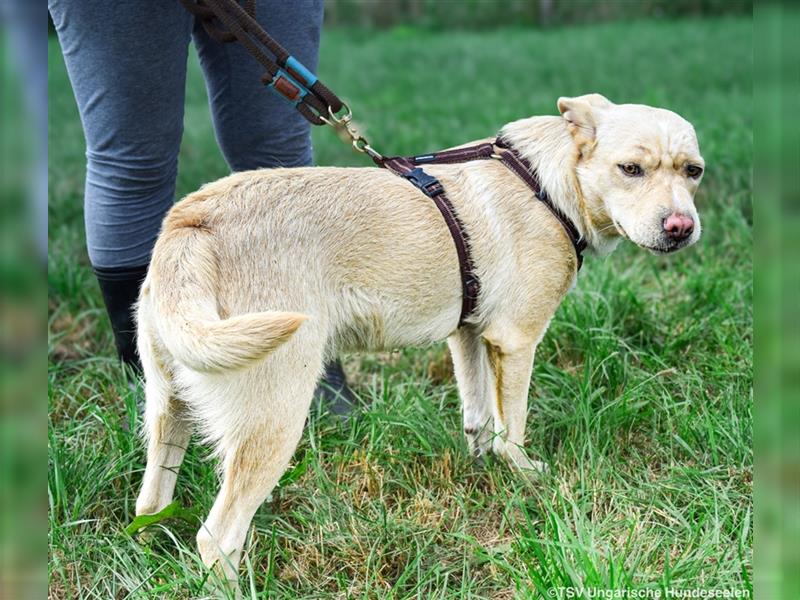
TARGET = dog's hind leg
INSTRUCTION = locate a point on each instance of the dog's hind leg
(166, 429)
(474, 377)
(256, 448)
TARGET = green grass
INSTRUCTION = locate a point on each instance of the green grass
(642, 393)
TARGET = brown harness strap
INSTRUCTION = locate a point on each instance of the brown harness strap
(457, 155)
(408, 168)
(433, 189)
(521, 167)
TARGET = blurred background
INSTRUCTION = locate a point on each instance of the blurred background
(384, 29)
(485, 14)
(23, 264)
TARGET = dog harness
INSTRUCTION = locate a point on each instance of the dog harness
(287, 76)
(409, 168)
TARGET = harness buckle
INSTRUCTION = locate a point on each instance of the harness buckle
(430, 186)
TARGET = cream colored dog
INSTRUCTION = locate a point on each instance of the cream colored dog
(258, 277)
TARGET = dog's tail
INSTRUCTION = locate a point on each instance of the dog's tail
(183, 286)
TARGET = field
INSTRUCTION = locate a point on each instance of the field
(641, 400)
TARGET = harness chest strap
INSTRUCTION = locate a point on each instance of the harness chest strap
(432, 187)
(523, 169)
(408, 168)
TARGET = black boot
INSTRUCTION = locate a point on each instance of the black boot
(120, 287)
(332, 391)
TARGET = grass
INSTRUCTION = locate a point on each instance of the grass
(641, 399)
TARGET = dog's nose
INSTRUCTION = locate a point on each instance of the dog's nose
(678, 227)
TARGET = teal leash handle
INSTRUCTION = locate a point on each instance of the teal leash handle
(294, 82)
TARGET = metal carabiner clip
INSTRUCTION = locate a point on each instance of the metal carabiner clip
(344, 126)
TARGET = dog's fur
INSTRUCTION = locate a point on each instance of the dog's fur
(257, 278)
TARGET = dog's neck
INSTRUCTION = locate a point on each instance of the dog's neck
(547, 144)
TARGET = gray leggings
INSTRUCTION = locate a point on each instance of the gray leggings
(127, 65)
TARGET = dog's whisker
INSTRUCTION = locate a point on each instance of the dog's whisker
(610, 227)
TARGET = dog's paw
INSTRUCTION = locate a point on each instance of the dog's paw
(528, 466)
(519, 461)
(480, 460)
(479, 440)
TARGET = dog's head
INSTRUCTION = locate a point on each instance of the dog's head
(638, 168)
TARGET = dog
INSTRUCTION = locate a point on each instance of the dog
(259, 277)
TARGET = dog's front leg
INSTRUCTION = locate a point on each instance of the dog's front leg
(474, 377)
(511, 366)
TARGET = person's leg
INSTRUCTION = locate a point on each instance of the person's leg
(256, 128)
(127, 65)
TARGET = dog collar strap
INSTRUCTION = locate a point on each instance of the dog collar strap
(433, 189)
(522, 168)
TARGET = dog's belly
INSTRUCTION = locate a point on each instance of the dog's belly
(386, 321)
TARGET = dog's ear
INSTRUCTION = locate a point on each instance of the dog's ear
(581, 113)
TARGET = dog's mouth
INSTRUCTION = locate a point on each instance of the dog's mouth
(661, 250)
(666, 248)
(657, 250)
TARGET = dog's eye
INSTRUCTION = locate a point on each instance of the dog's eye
(631, 169)
(694, 171)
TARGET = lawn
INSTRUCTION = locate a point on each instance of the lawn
(641, 399)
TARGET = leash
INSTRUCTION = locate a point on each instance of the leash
(290, 79)
(285, 75)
